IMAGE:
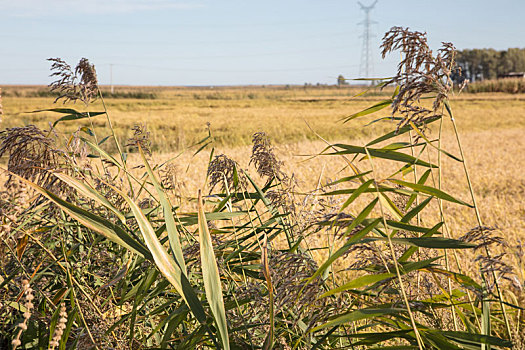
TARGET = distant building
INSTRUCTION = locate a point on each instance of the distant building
(513, 75)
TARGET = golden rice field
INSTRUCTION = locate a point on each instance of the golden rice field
(492, 127)
(178, 116)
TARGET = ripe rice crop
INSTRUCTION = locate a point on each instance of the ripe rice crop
(507, 85)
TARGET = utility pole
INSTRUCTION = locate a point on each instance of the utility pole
(365, 68)
(111, 77)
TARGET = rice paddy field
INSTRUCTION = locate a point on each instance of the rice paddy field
(492, 126)
(300, 122)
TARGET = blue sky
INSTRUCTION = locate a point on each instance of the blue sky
(204, 42)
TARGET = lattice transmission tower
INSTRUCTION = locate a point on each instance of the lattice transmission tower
(366, 65)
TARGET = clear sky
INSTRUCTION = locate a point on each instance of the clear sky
(224, 42)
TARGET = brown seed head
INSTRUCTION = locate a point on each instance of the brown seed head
(141, 137)
(490, 266)
(418, 73)
(263, 157)
(224, 171)
(482, 236)
(80, 84)
(32, 154)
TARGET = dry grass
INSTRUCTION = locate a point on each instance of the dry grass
(178, 117)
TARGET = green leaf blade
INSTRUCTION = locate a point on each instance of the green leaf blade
(211, 277)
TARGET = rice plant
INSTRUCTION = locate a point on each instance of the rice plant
(506, 85)
(96, 253)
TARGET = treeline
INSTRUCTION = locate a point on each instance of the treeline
(481, 64)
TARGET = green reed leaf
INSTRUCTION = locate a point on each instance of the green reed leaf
(359, 282)
(426, 242)
(430, 191)
(378, 337)
(401, 131)
(460, 278)
(416, 129)
(71, 114)
(71, 317)
(85, 189)
(410, 251)
(399, 225)
(96, 223)
(377, 107)
(169, 220)
(380, 153)
(211, 277)
(354, 239)
(366, 280)
(356, 194)
(476, 339)
(348, 178)
(106, 155)
(438, 341)
(413, 197)
(357, 315)
(164, 262)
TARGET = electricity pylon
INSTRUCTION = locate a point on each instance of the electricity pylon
(366, 66)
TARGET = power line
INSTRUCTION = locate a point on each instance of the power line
(233, 55)
(197, 24)
(177, 42)
(189, 69)
(163, 68)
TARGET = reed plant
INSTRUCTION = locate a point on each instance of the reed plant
(118, 256)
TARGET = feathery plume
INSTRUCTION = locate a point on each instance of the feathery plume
(223, 170)
(32, 154)
(72, 85)
(141, 137)
(263, 158)
(418, 73)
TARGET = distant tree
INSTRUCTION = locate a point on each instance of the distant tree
(479, 64)
(341, 80)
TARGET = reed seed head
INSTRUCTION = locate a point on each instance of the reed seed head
(140, 138)
(263, 157)
(72, 85)
(482, 236)
(169, 175)
(224, 171)
(32, 154)
(490, 266)
(418, 73)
